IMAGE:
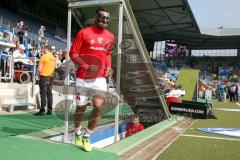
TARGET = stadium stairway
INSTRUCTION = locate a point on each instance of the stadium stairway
(15, 95)
(20, 96)
(142, 92)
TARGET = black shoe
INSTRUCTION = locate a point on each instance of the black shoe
(40, 113)
(49, 112)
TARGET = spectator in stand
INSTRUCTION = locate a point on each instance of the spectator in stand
(19, 57)
(58, 62)
(41, 35)
(6, 37)
(134, 126)
(22, 31)
(171, 83)
(63, 56)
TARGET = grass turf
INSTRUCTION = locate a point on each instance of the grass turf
(188, 79)
(25, 123)
(188, 148)
(212, 149)
(13, 148)
(225, 119)
(11, 125)
(227, 104)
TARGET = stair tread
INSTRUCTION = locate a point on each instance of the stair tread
(20, 104)
(12, 97)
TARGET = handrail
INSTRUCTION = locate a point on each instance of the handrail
(144, 53)
(12, 70)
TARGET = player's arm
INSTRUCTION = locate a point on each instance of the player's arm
(109, 71)
(74, 51)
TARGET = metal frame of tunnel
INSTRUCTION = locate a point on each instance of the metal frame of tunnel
(124, 8)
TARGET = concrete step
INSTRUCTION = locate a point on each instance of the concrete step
(13, 99)
(4, 85)
(13, 85)
(151, 148)
(10, 107)
(14, 89)
(8, 92)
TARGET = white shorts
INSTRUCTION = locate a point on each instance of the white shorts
(87, 88)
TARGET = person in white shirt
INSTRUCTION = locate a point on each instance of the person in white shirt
(19, 57)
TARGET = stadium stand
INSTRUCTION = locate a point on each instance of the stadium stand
(9, 20)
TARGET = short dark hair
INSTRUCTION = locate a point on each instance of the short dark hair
(99, 9)
(5, 35)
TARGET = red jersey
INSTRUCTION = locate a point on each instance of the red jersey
(92, 46)
(131, 129)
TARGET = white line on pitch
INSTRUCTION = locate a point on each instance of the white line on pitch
(209, 137)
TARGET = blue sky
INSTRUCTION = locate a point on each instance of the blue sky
(216, 13)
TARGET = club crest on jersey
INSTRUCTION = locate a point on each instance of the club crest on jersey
(100, 40)
(92, 41)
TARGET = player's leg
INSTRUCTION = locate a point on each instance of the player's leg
(81, 103)
(99, 89)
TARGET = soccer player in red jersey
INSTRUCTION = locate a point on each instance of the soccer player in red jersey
(91, 52)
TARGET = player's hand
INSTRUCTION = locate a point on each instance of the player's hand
(109, 72)
(92, 69)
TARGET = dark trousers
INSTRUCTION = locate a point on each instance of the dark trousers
(236, 97)
(232, 97)
(45, 85)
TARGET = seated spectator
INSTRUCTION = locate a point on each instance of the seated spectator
(57, 58)
(6, 37)
(19, 57)
(171, 83)
(134, 126)
(63, 56)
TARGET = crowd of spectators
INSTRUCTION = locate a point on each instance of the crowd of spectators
(23, 52)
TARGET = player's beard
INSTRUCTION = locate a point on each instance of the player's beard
(102, 25)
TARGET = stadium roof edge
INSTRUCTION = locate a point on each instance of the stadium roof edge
(174, 20)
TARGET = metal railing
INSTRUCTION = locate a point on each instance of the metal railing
(6, 59)
(5, 22)
(18, 74)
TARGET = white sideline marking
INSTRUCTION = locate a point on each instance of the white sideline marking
(208, 137)
(227, 109)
